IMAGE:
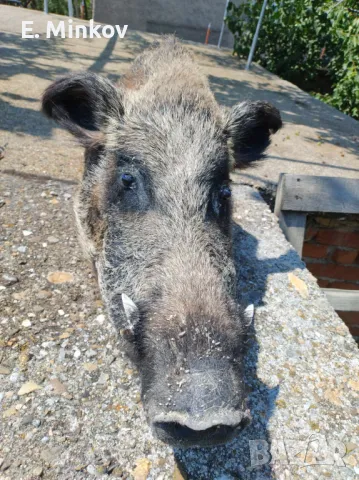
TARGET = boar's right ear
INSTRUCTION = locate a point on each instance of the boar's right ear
(83, 103)
(248, 129)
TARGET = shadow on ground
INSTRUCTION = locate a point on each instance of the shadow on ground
(20, 56)
(22, 120)
(35, 58)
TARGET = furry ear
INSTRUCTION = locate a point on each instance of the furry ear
(83, 103)
(248, 128)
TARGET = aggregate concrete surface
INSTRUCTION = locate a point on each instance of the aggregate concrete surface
(70, 405)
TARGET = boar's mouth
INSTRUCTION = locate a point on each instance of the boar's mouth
(181, 430)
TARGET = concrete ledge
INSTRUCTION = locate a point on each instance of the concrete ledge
(302, 366)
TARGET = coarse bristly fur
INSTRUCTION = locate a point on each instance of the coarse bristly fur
(164, 239)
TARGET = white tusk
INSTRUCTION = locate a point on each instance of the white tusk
(249, 314)
(130, 308)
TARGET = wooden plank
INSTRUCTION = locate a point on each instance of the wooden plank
(293, 226)
(343, 300)
(306, 193)
(292, 223)
(279, 194)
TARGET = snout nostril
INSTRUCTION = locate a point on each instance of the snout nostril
(176, 433)
(216, 428)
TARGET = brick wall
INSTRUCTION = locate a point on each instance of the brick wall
(331, 252)
(351, 319)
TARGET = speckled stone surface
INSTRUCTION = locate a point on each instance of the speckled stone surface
(302, 366)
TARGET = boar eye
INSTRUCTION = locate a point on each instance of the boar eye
(127, 179)
(225, 192)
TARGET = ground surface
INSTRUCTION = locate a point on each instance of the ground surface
(80, 417)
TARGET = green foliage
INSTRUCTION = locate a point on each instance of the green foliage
(60, 7)
(312, 43)
(344, 65)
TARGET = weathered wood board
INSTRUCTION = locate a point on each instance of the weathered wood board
(306, 193)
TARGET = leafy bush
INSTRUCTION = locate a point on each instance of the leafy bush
(60, 7)
(312, 43)
(344, 65)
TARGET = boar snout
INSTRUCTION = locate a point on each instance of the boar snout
(208, 409)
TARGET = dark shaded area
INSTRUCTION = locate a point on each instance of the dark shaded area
(16, 96)
(104, 56)
(20, 56)
(135, 43)
(23, 120)
(37, 177)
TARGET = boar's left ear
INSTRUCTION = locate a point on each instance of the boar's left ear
(83, 103)
(248, 129)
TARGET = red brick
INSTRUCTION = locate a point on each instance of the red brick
(310, 233)
(335, 237)
(332, 270)
(354, 330)
(345, 256)
(351, 319)
(344, 285)
(313, 250)
(324, 283)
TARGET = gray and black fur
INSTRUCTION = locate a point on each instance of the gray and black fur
(164, 239)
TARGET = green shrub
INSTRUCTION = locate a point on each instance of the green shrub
(344, 64)
(312, 43)
(60, 7)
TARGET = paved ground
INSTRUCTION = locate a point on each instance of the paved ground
(69, 399)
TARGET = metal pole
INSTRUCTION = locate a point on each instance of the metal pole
(223, 23)
(207, 34)
(255, 38)
(71, 10)
(46, 6)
